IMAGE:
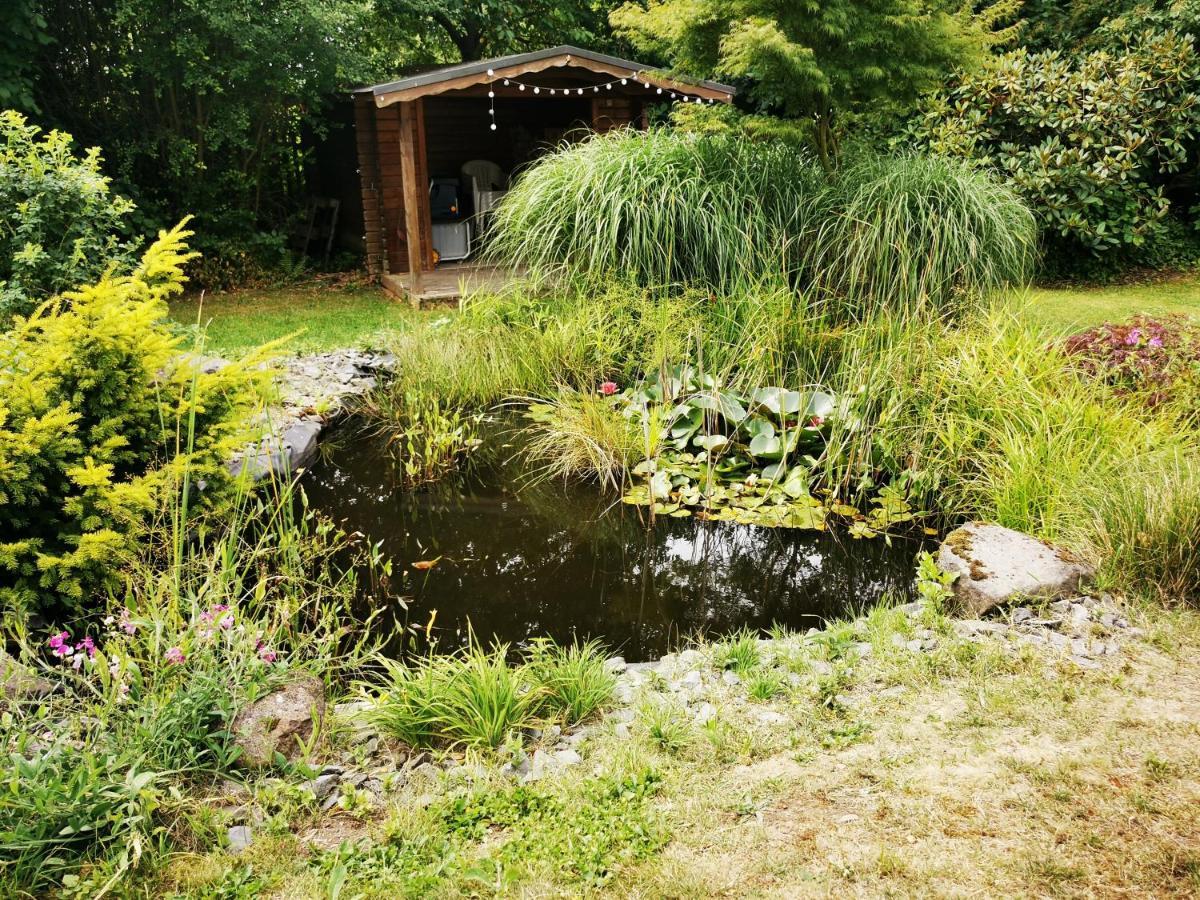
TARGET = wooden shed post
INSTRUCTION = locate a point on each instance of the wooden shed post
(413, 227)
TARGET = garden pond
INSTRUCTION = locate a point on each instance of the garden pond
(514, 559)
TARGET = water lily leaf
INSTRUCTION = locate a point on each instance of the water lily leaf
(680, 514)
(766, 446)
(810, 517)
(660, 486)
(796, 482)
(665, 508)
(756, 426)
(843, 509)
(819, 404)
(710, 442)
(779, 401)
(859, 530)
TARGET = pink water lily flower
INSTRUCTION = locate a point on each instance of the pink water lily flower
(608, 388)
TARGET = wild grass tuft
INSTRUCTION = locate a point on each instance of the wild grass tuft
(738, 652)
(573, 681)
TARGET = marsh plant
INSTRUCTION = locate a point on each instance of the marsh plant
(424, 436)
(481, 698)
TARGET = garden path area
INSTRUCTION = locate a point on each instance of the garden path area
(960, 770)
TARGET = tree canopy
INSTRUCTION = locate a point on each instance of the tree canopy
(817, 59)
(472, 30)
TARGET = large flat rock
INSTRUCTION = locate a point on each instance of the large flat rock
(996, 564)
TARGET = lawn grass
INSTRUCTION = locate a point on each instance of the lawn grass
(971, 770)
(358, 314)
(328, 317)
(1068, 309)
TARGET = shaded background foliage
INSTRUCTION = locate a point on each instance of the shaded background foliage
(216, 108)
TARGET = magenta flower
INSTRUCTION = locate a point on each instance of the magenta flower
(267, 655)
(608, 388)
(174, 656)
(1156, 341)
(61, 644)
(1134, 336)
(226, 621)
(126, 622)
(88, 646)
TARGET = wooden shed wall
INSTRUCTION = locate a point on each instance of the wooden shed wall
(379, 155)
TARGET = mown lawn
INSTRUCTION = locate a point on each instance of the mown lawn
(320, 316)
(327, 317)
(1069, 309)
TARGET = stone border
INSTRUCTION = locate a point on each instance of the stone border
(314, 391)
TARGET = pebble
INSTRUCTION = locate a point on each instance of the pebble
(615, 664)
(705, 714)
(731, 678)
(239, 837)
(322, 785)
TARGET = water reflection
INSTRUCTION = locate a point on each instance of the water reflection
(520, 561)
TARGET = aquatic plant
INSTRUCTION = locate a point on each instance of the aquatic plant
(425, 437)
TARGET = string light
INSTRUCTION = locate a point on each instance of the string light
(608, 86)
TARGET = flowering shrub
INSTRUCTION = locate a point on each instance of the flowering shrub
(1158, 359)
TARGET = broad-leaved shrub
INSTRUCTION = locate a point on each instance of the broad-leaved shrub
(1100, 145)
(60, 224)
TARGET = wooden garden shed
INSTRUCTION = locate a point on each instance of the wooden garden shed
(418, 137)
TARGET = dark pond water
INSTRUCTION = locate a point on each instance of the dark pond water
(520, 560)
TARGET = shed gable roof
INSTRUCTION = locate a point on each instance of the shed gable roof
(438, 80)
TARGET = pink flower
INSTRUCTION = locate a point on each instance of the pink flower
(126, 622)
(88, 646)
(608, 388)
(61, 644)
(1155, 342)
(174, 656)
(226, 621)
(267, 655)
(1133, 337)
(816, 421)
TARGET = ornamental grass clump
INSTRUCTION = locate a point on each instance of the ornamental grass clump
(574, 681)
(667, 210)
(481, 698)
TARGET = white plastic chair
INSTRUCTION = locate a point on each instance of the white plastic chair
(488, 185)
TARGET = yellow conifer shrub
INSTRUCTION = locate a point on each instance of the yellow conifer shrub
(103, 423)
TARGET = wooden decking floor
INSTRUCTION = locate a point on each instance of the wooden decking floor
(449, 282)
